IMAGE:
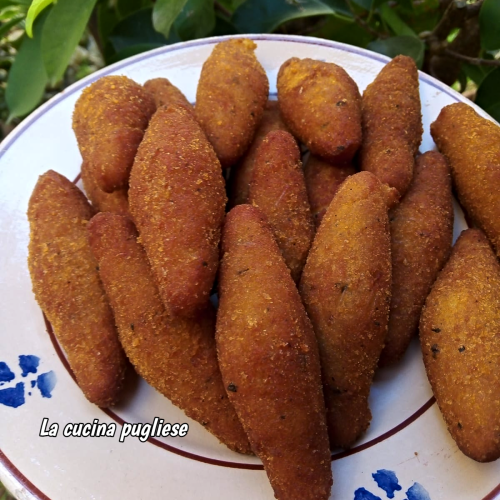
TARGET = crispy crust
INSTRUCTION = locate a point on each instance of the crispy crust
(177, 356)
(177, 200)
(269, 360)
(165, 93)
(278, 190)
(321, 105)
(459, 334)
(109, 122)
(322, 182)
(67, 287)
(392, 124)
(421, 237)
(230, 99)
(116, 202)
(239, 181)
(346, 288)
(472, 146)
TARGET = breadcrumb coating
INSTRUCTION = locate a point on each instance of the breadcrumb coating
(239, 180)
(346, 288)
(177, 200)
(66, 284)
(322, 182)
(278, 190)
(165, 93)
(232, 93)
(116, 202)
(392, 124)
(269, 360)
(175, 355)
(321, 105)
(472, 146)
(109, 121)
(460, 339)
(421, 238)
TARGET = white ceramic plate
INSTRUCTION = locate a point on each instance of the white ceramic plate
(407, 435)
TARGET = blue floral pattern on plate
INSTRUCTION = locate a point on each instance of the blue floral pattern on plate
(14, 396)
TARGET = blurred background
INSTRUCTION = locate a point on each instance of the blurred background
(4, 494)
(46, 45)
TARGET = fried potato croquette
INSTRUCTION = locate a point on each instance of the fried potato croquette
(165, 93)
(67, 287)
(239, 180)
(269, 360)
(392, 124)
(472, 146)
(109, 122)
(278, 190)
(459, 334)
(230, 99)
(177, 200)
(322, 182)
(346, 288)
(176, 356)
(321, 105)
(421, 237)
(116, 202)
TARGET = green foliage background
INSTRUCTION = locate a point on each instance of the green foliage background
(457, 41)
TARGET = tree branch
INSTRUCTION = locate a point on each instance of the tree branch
(94, 30)
(361, 22)
(218, 6)
(454, 16)
(474, 8)
(477, 61)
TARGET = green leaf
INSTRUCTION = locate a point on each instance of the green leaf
(8, 13)
(137, 30)
(462, 80)
(127, 7)
(339, 7)
(196, 20)
(27, 77)
(223, 27)
(107, 19)
(343, 30)
(369, 4)
(405, 5)
(476, 73)
(452, 35)
(390, 16)
(406, 45)
(489, 23)
(231, 5)
(164, 14)
(494, 111)
(6, 27)
(366, 4)
(63, 30)
(34, 11)
(423, 17)
(133, 50)
(5, 63)
(9, 3)
(372, 4)
(263, 16)
(488, 96)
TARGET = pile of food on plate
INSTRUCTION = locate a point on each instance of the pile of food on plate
(323, 271)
